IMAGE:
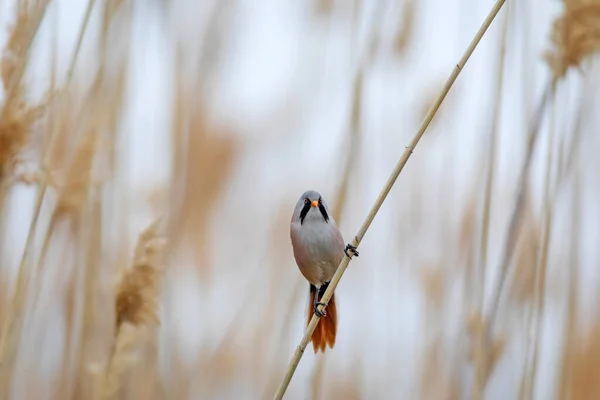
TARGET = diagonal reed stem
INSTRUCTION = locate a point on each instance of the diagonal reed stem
(383, 194)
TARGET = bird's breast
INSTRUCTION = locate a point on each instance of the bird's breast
(318, 249)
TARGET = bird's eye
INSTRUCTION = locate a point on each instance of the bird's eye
(305, 201)
(319, 200)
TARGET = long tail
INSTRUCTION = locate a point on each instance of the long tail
(326, 330)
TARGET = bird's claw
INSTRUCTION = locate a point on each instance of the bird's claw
(319, 313)
(352, 250)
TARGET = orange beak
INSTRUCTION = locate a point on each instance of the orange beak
(315, 203)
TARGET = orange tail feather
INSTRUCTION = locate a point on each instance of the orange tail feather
(326, 330)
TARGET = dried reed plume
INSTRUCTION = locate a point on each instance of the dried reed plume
(74, 193)
(137, 295)
(575, 36)
(136, 302)
(19, 116)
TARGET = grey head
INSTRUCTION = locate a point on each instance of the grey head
(311, 208)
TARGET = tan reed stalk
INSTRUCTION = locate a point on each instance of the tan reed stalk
(536, 312)
(574, 37)
(570, 163)
(407, 27)
(481, 364)
(383, 194)
(352, 153)
(23, 272)
(566, 361)
(33, 22)
(286, 324)
(355, 112)
(91, 273)
(352, 157)
(518, 208)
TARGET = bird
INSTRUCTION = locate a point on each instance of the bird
(318, 248)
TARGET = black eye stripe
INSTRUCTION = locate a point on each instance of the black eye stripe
(304, 210)
(323, 211)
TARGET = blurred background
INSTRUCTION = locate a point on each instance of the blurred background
(152, 152)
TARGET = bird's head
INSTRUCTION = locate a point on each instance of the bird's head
(311, 208)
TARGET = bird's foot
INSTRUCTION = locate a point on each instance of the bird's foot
(318, 313)
(353, 251)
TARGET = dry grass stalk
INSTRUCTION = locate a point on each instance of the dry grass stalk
(16, 56)
(383, 194)
(136, 301)
(575, 36)
(286, 328)
(405, 34)
(74, 194)
(446, 386)
(82, 213)
(15, 131)
(324, 7)
(465, 236)
(584, 361)
(124, 358)
(17, 119)
(208, 159)
(203, 158)
(84, 229)
(429, 97)
(96, 111)
(572, 321)
(537, 311)
(352, 153)
(516, 219)
(71, 302)
(527, 250)
(91, 328)
(585, 367)
(345, 388)
(481, 359)
(434, 279)
(72, 199)
(318, 378)
(55, 130)
(494, 349)
(14, 73)
(354, 133)
(571, 325)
